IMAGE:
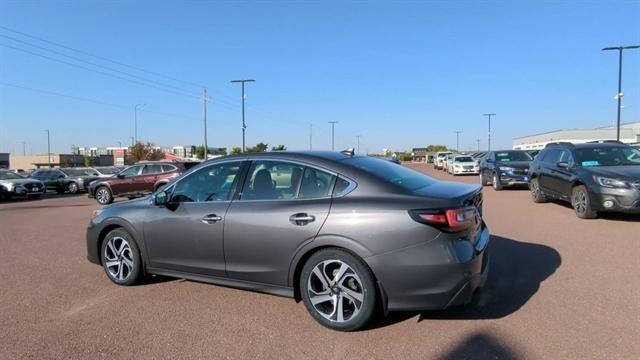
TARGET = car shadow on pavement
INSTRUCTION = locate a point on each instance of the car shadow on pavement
(481, 345)
(516, 271)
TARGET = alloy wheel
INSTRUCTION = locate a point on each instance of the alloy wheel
(580, 202)
(73, 188)
(335, 290)
(535, 189)
(102, 195)
(118, 258)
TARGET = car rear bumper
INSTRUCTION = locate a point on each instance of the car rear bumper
(434, 275)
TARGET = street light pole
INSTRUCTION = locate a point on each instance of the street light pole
(244, 125)
(620, 95)
(310, 136)
(135, 121)
(204, 105)
(458, 140)
(489, 133)
(24, 148)
(333, 125)
(48, 148)
(358, 137)
(478, 141)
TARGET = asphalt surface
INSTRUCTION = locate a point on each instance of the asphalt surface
(559, 288)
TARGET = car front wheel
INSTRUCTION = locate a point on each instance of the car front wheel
(338, 290)
(497, 185)
(120, 257)
(582, 203)
(536, 193)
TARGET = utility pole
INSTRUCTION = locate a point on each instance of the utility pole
(119, 145)
(358, 137)
(24, 148)
(310, 136)
(204, 106)
(244, 125)
(489, 133)
(48, 148)
(478, 141)
(135, 121)
(333, 125)
(620, 94)
(457, 140)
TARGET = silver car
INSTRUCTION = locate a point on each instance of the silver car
(346, 235)
(12, 184)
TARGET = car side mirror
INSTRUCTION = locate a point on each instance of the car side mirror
(120, 176)
(161, 198)
(562, 164)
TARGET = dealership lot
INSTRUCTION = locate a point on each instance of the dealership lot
(559, 287)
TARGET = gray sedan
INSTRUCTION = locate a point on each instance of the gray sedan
(347, 235)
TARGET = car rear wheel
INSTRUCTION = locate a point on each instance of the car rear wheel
(338, 290)
(581, 203)
(497, 185)
(483, 180)
(121, 258)
(72, 188)
(536, 193)
(103, 195)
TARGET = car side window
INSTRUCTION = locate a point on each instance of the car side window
(131, 171)
(552, 157)
(152, 169)
(272, 180)
(210, 183)
(168, 168)
(566, 156)
(316, 184)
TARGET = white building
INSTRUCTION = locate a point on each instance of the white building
(629, 133)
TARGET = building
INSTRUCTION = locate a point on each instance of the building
(419, 154)
(4, 160)
(629, 133)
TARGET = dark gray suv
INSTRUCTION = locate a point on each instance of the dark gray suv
(345, 234)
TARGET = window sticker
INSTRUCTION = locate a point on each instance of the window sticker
(590, 163)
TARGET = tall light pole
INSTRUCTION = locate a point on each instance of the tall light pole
(48, 148)
(119, 145)
(358, 137)
(310, 136)
(489, 133)
(457, 140)
(620, 95)
(333, 126)
(478, 141)
(24, 148)
(204, 108)
(244, 125)
(135, 121)
(132, 141)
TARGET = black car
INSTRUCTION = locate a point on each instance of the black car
(505, 168)
(72, 180)
(594, 177)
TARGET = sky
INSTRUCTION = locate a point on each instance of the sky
(399, 74)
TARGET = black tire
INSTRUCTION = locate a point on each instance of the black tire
(582, 203)
(103, 195)
(483, 180)
(34, 196)
(73, 188)
(60, 191)
(6, 196)
(536, 193)
(358, 282)
(497, 185)
(123, 268)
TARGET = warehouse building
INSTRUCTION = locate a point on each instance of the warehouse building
(629, 133)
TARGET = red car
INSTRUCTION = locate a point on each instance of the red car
(136, 180)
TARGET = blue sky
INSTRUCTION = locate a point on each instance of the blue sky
(399, 74)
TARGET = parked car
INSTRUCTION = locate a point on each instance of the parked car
(505, 168)
(314, 226)
(593, 177)
(12, 184)
(19, 171)
(438, 160)
(533, 153)
(136, 180)
(463, 164)
(447, 160)
(71, 180)
(429, 159)
(106, 171)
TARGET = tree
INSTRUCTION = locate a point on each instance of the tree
(200, 152)
(141, 152)
(260, 147)
(235, 150)
(88, 161)
(436, 148)
(279, 148)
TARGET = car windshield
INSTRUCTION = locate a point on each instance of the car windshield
(8, 175)
(607, 156)
(442, 155)
(76, 172)
(508, 156)
(108, 170)
(396, 174)
(463, 159)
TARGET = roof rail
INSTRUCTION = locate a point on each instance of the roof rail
(559, 143)
(348, 152)
(605, 142)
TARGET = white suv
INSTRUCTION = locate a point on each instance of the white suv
(439, 158)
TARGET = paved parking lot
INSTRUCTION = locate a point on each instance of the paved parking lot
(559, 288)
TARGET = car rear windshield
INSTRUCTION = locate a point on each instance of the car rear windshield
(508, 156)
(463, 159)
(607, 156)
(8, 175)
(396, 174)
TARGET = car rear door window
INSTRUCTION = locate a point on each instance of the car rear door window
(316, 184)
(272, 180)
(168, 168)
(210, 183)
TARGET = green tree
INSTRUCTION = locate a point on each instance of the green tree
(200, 152)
(235, 150)
(88, 161)
(260, 147)
(146, 151)
(436, 148)
(279, 148)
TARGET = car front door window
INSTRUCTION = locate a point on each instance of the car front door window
(210, 183)
(129, 172)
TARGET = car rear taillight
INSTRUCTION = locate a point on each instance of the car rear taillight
(451, 220)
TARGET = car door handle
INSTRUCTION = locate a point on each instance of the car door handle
(302, 219)
(211, 218)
